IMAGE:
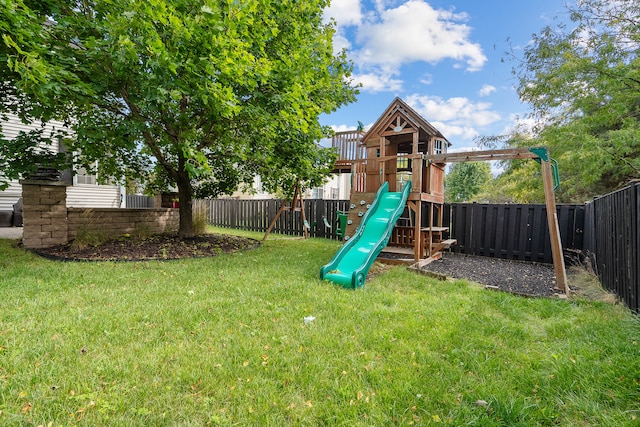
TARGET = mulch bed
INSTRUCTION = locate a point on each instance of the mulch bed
(158, 247)
(524, 278)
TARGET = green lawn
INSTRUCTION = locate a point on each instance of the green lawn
(223, 341)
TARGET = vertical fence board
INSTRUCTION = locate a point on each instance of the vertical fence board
(537, 237)
(499, 230)
(487, 232)
(523, 242)
(512, 226)
(635, 260)
(545, 253)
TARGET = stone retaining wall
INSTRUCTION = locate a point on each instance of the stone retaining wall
(117, 222)
(48, 221)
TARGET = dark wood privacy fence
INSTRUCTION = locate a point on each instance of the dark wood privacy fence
(612, 242)
(512, 231)
(502, 231)
(256, 215)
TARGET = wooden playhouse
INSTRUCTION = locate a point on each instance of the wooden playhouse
(394, 151)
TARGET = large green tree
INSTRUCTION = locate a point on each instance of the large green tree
(200, 94)
(465, 180)
(19, 30)
(582, 81)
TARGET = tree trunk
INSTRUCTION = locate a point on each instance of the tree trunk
(185, 197)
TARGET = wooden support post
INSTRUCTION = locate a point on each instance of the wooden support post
(273, 223)
(554, 230)
(352, 178)
(303, 213)
(432, 225)
(416, 166)
(382, 164)
(297, 204)
(417, 247)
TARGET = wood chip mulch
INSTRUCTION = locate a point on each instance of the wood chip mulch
(157, 247)
(523, 278)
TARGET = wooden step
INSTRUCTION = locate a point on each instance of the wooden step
(449, 242)
(440, 246)
(398, 250)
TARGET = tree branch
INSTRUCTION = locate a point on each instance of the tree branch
(148, 136)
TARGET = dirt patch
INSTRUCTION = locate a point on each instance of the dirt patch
(511, 276)
(158, 247)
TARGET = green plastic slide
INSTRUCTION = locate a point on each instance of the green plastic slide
(350, 265)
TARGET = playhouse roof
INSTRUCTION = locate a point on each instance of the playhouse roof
(399, 117)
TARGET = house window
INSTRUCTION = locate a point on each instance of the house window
(84, 177)
(66, 176)
(334, 193)
(317, 193)
(440, 147)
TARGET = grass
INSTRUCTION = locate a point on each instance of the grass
(223, 341)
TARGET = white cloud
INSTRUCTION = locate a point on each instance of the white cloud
(381, 5)
(340, 42)
(524, 125)
(345, 12)
(455, 110)
(380, 81)
(414, 31)
(451, 131)
(462, 149)
(342, 128)
(486, 90)
(454, 117)
(426, 79)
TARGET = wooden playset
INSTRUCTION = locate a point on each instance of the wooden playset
(402, 146)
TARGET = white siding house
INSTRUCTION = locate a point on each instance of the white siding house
(338, 187)
(10, 196)
(256, 192)
(84, 192)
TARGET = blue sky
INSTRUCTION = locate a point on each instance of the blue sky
(443, 57)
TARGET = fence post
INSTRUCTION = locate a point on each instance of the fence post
(320, 212)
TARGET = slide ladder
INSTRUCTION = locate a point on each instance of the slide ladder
(350, 265)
